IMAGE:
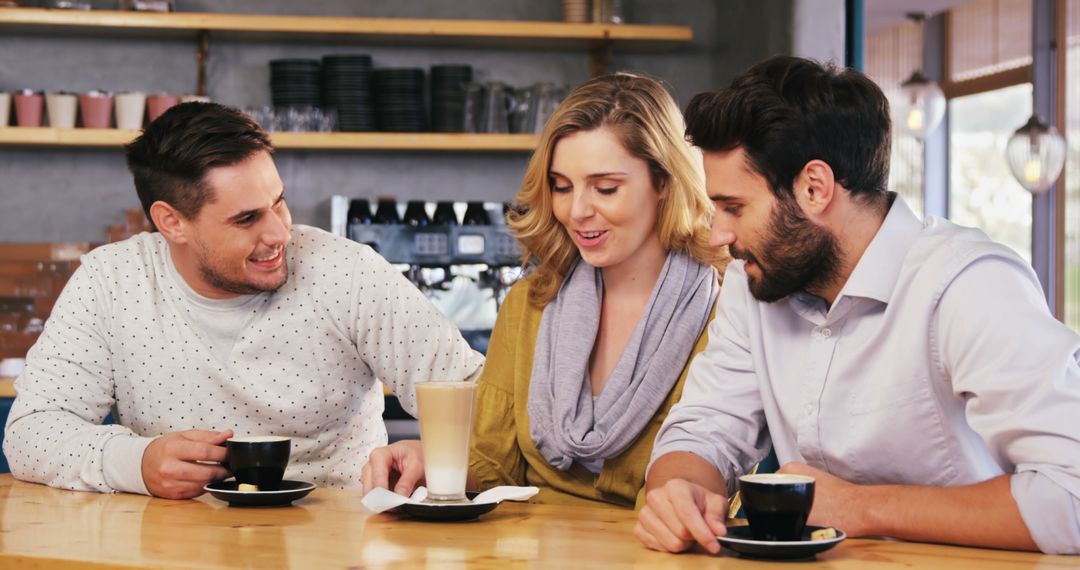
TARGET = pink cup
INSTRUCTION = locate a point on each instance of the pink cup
(159, 103)
(29, 107)
(96, 108)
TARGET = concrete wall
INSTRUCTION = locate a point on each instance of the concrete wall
(72, 194)
(818, 30)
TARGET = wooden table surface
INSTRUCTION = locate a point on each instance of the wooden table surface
(42, 527)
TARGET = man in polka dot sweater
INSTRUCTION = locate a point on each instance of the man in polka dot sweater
(227, 320)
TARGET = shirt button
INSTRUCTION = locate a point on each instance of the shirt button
(826, 333)
(809, 409)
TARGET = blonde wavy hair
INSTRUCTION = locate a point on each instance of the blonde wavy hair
(641, 112)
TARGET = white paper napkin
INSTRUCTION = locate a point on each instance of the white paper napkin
(379, 499)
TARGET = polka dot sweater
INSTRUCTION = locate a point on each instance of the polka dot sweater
(123, 338)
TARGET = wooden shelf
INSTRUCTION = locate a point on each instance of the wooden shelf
(406, 141)
(508, 32)
(114, 138)
(598, 38)
(50, 137)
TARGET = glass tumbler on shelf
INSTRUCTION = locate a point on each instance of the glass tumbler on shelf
(498, 101)
(67, 4)
(473, 108)
(264, 116)
(148, 5)
(535, 104)
(608, 12)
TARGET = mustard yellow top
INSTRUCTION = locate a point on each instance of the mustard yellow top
(503, 452)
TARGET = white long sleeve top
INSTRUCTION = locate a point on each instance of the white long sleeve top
(127, 336)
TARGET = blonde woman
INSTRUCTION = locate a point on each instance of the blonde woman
(589, 352)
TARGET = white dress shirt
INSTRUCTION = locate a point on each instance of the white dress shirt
(937, 364)
(127, 334)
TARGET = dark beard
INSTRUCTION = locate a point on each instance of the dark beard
(797, 255)
(224, 284)
(234, 287)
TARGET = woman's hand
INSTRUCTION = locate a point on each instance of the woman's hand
(398, 467)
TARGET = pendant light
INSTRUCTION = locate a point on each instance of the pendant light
(1036, 155)
(922, 103)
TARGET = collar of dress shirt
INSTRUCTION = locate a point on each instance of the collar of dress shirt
(875, 274)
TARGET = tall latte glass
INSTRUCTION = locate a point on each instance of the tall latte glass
(446, 411)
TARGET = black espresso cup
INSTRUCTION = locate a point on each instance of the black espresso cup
(259, 460)
(777, 505)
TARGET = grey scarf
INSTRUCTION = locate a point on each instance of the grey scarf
(565, 423)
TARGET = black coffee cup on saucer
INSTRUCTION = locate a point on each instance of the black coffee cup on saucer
(777, 505)
(259, 460)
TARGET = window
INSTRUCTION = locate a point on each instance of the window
(988, 67)
(1071, 176)
(891, 56)
(982, 191)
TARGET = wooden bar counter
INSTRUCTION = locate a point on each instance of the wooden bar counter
(42, 527)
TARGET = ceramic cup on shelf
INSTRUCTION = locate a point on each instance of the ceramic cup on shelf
(158, 103)
(63, 108)
(130, 108)
(5, 109)
(29, 106)
(96, 107)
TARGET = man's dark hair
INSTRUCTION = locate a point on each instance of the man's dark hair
(172, 156)
(786, 111)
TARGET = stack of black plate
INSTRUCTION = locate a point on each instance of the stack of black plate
(448, 97)
(346, 88)
(294, 82)
(399, 99)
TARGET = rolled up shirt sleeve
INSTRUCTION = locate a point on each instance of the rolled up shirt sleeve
(1016, 368)
(1049, 511)
(720, 417)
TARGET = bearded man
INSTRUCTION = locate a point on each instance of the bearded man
(226, 319)
(911, 367)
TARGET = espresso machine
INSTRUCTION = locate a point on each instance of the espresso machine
(462, 256)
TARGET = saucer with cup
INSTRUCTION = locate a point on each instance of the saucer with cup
(419, 505)
(463, 510)
(777, 506)
(258, 465)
